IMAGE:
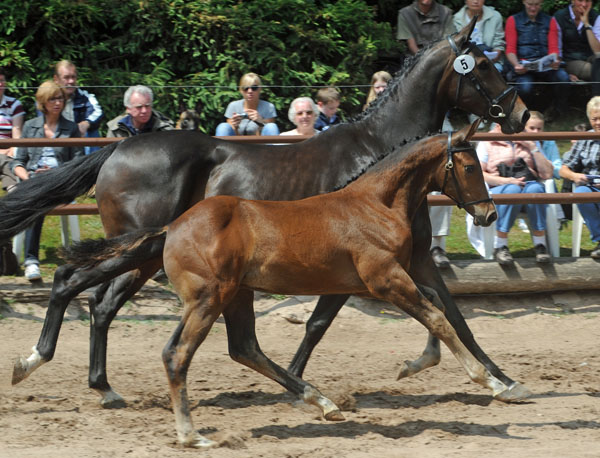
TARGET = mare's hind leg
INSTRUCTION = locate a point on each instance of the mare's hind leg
(244, 348)
(68, 283)
(394, 285)
(326, 310)
(104, 304)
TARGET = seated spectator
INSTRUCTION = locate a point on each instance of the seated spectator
(581, 165)
(328, 101)
(140, 117)
(423, 22)
(379, 82)
(499, 162)
(488, 34)
(32, 160)
(531, 35)
(548, 147)
(579, 27)
(12, 116)
(82, 107)
(303, 113)
(250, 115)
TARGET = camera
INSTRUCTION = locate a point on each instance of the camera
(244, 114)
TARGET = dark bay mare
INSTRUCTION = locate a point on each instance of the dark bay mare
(149, 180)
(354, 241)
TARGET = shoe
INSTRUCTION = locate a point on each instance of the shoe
(32, 272)
(541, 254)
(596, 252)
(440, 258)
(503, 256)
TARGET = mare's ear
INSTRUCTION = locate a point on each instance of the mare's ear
(464, 35)
(466, 133)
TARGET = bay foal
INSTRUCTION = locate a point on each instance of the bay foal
(357, 240)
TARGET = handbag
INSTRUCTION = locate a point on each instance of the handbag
(517, 170)
(567, 186)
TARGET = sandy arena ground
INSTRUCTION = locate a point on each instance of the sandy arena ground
(548, 342)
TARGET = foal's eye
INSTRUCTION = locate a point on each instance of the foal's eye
(469, 168)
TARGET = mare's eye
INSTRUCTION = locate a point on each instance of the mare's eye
(469, 168)
(484, 65)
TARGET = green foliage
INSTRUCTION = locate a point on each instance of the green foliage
(176, 45)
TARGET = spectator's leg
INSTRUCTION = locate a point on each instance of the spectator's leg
(524, 85)
(561, 90)
(270, 129)
(507, 214)
(224, 130)
(595, 77)
(536, 213)
(440, 228)
(32, 242)
(590, 213)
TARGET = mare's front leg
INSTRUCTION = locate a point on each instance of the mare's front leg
(104, 304)
(321, 318)
(389, 282)
(244, 348)
(424, 272)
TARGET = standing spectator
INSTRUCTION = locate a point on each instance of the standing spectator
(303, 113)
(31, 160)
(81, 106)
(379, 82)
(581, 165)
(140, 117)
(531, 35)
(12, 116)
(250, 115)
(328, 101)
(422, 22)
(488, 34)
(579, 27)
(499, 161)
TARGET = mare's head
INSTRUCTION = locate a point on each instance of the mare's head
(472, 82)
(189, 119)
(459, 175)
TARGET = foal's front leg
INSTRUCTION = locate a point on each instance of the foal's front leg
(391, 283)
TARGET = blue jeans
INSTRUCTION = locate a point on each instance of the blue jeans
(507, 214)
(224, 129)
(590, 213)
(32, 242)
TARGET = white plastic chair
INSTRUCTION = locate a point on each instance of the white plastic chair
(577, 230)
(482, 238)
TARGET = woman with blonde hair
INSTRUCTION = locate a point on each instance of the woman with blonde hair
(379, 82)
(250, 115)
(31, 160)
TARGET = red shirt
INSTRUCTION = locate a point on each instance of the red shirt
(510, 33)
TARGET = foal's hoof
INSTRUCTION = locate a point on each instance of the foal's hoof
(334, 415)
(199, 441)
(515, 393)
(19, 370)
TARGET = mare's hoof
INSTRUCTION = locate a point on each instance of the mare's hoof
(405, 370)
(515, 393)
(19, 370)
(111, 400)
(334, 415)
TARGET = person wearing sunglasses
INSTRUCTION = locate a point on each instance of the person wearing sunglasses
(250, 115)
(30, 161)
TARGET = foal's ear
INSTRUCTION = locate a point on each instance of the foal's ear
(464, 35)
(466, 133)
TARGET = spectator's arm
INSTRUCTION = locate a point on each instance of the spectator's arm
(593, 35)
(553, 38)
(577, 178)
(510, 34)
(93, 110)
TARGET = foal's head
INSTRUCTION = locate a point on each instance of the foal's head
(459, 176)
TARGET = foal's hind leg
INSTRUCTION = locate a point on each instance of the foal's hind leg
(244, 348)
(326, 310)
(104, 304)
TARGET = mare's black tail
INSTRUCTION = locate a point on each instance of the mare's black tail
(34, 198)
(140, 245)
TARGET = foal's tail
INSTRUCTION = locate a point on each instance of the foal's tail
(34, 198)
(135, 245)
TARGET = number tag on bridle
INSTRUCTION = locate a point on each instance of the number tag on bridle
(464, 64)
